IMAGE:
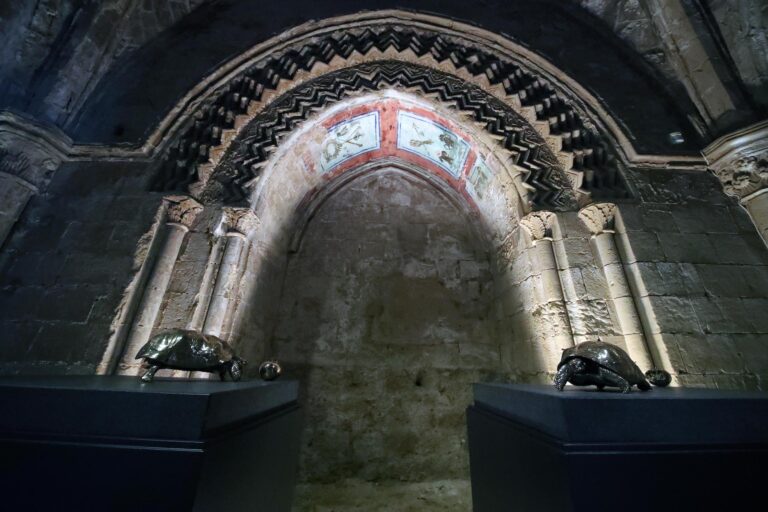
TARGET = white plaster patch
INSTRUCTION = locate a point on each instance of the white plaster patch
(350, 138)
(431, 141)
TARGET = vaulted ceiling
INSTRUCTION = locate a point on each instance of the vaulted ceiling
(108, 72)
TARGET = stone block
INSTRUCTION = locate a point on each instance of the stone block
(20, 302)
(572, 283)
(723, 280)
(629, 217)
(756, 279)
(742, 219)
(16, 337)
(753, 349)
(589, 318)
(734, 249)
(639, 246)
(71, 303)
(756, 310)
(574, 252)
(570, 226)
(711, 219)
(672, 314)
(657, 218)
(710, 354)
(88, 268)
(595, 283)
(688, 248)
(722, 315)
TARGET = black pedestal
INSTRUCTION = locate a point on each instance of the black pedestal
(534, 449)
(115, 444)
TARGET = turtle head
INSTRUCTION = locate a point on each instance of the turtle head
(236, 368)
(658, 377)
(568, 370)
(578, 365)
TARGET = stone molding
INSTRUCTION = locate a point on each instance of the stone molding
(740, 160)
(252, 138)
(29, 152)
(538, 224)
(598, 217)
(182, 210)
(237, 221)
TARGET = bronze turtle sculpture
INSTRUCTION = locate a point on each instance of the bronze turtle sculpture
(602, 364)
(190, 350)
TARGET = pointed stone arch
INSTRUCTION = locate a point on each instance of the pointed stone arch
(549, 128)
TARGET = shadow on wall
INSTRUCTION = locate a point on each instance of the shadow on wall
(386, 316)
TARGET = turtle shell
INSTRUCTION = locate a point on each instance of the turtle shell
(187, 350)
(606, 355)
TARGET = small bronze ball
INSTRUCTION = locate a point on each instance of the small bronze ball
(270, 370)
(657, 377)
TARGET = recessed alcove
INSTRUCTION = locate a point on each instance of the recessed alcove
(386, 317)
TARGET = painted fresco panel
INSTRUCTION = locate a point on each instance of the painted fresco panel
(350, 138)
(479, 178)
(430, 140)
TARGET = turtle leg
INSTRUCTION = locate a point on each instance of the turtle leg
(563, 375)
(150, 373)
(223, 372)
(614, 379)
(644, 385)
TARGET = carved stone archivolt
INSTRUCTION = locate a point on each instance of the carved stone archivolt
(555, 154)
(538, 225)
(598, 217)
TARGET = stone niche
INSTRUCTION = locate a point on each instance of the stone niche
(386, 317)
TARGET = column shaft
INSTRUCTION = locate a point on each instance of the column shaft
(630, 326)
(224, 299)
(152, 298)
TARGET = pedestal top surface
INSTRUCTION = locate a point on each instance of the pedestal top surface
(125, 407)
(662, 415)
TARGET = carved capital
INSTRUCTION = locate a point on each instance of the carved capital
(182, 210)
(28, 163)
(744, 176)
(598, 217)
(740, 160)
(538, 225)
(241, 221)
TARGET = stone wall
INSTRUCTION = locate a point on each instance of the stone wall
(66, 265)
(386, 317)
(700, 271)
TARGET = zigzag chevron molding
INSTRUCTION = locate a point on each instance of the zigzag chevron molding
(540, 131)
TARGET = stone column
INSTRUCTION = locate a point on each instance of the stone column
(235, 230)
(539, 226)
(180, 213)
(599, 219)
(740, 162)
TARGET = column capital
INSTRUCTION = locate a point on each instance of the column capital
(740, 160)
(182, 210)
(598, 217)
(744, 176)
(538, 224)
(29, 162)
(242, 221)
